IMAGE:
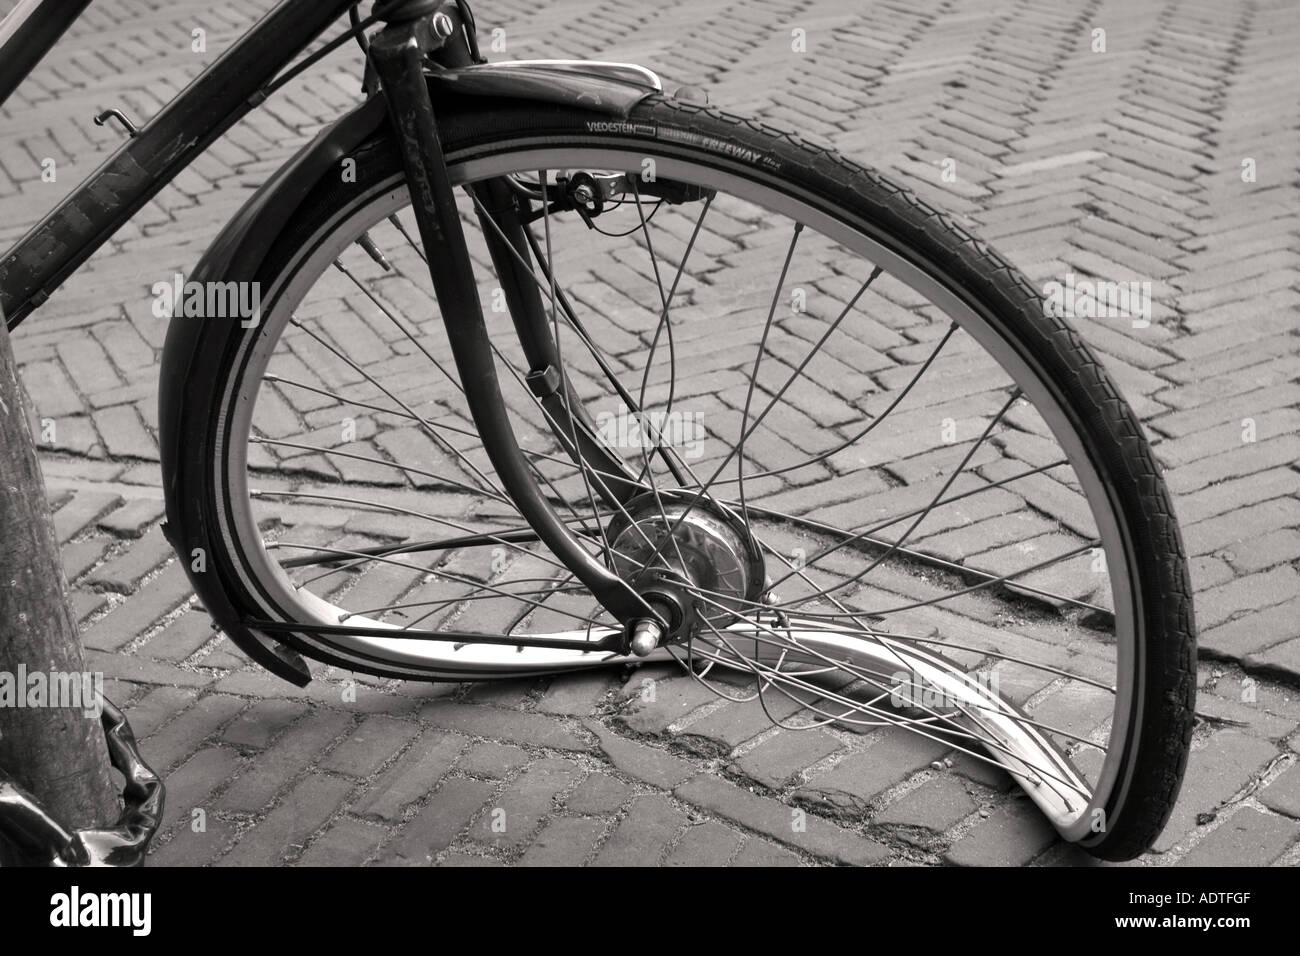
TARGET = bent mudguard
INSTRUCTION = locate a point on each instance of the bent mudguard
(604, 89)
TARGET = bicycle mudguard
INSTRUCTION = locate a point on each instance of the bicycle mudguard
(608, 89)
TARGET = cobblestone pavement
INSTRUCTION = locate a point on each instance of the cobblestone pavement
(1171, 155)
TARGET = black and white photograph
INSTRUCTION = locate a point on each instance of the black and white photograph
(513, 433)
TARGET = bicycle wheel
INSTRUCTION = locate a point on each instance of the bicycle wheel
(878, 479)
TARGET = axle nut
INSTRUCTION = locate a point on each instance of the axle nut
(645, 636)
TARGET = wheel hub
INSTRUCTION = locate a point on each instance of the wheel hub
(692, 560)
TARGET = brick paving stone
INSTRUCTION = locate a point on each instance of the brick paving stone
(1280, 661)
(853, 783)
(1215, 772)
(493, 760)
(414, 774)
(1208, 571)
(120, 692)
(1075, 708)
(87, 603)
(1222, 362)
(286, 829)
(598, 793)
(131, 520)
(432, 830)
(1215, 605)
(780, 821)
(655, 702)
(574, 696)
(223, 656)
(1254, 717)
(1227, 496)
(732, 725)
(257, 683)
(1247, 838)
(52, 393)
(1272, 549)
(566, 841)
(158, 707)
(1283, 794)
(525, 803)
(88, 364)
(505, 693)
(1182, 451)
(706, 844)
(76, 434)
(79, 557)
(181, 637)
(776, 760)
(153, 600)
(344, 843)
(935, 805)
(1249, 633)
(188, 848)
(1010, 836)
(328, 690)
(122, 572)
(1234, 463)
(641, 761)
(84, 508)
(177, 737)
(287, 757)
(758, 852)
(369, 746)
(261, 723)
(531, 730)
(189, 785)
(140, 670)
(642, 836)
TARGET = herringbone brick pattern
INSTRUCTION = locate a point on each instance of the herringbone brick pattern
(1168, 157)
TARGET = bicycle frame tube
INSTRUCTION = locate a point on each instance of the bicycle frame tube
(28, 32)
(217, 99)
(571, 424)
(397, 53)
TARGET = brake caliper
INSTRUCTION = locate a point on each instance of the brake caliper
(589, 194)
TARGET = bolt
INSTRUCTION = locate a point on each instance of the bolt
(583, 194)
(645, 636)
(441, 26)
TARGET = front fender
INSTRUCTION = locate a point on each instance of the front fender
(238, 251)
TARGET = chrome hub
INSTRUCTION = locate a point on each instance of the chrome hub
(693, 561)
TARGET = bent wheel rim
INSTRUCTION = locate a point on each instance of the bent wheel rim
(265, 580)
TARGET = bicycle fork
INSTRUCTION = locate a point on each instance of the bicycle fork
(397, 53)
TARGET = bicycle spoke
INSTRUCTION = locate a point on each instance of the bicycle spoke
(458, 579)
(875, 421)
(774, 638)
(463, 486)
(1015, 394)
(571, 317)
(338, 264)
(433, 433)
(824, 550)
(394, 509)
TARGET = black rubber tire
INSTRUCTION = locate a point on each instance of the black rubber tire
(1156, 750)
